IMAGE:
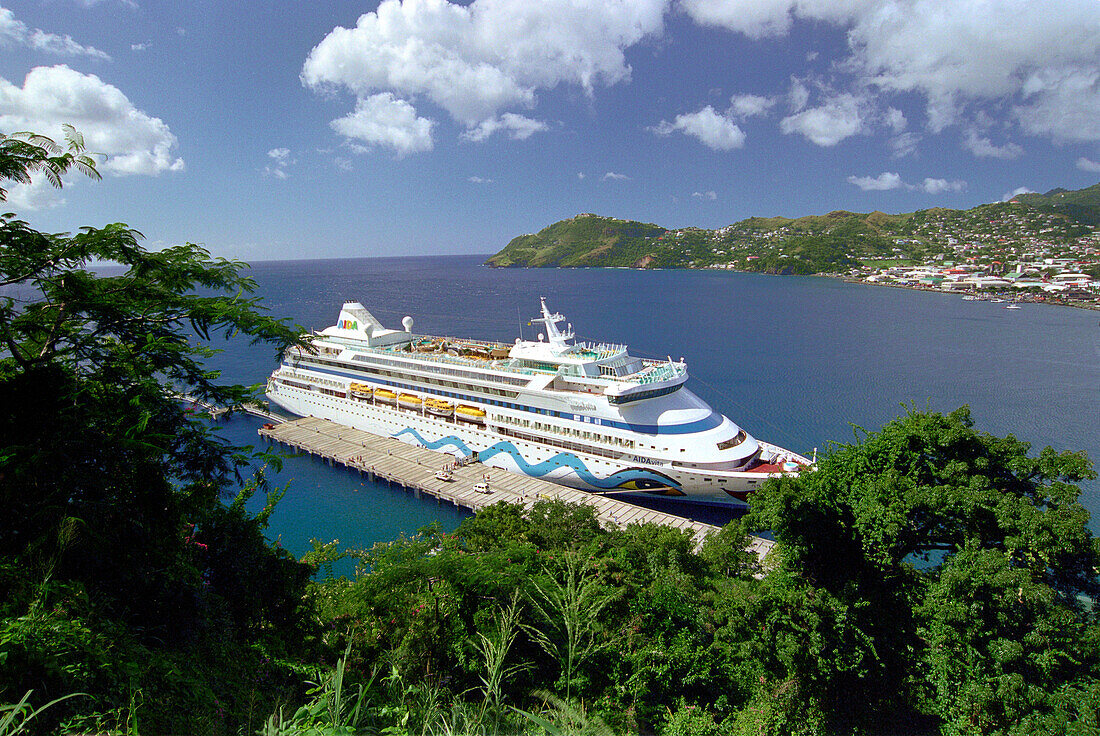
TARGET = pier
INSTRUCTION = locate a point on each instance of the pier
(385, 459)
(220, 412)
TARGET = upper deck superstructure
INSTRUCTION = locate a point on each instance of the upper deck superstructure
(584, 414)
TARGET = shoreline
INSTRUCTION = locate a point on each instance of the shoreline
(1026, 298)
(1008, 295)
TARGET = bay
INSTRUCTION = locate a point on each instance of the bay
(799, 361)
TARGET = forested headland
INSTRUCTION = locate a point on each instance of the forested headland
(928, 577)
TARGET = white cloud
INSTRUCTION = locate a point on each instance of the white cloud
(1040, 61)
(754, 18)
(281, 156)
(982, 147)
(1018, 190)
(479, 180)
(903, 145)
(15, 32)
(889, 180)
(133, 141)
(712, 128)
(1063, 103)
(747, 106)
(959, 51)
(883, 182)
(516, 126)
(1087, 164)
(476, 60)
(707, 195)
(38, 195)
(895, 120)
(798, 96)
(612, 176)
(938, 186)
(580, 175)
(827, 124)
(382, 120)
(140, 46)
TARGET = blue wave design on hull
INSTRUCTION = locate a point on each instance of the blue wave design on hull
(538, 470)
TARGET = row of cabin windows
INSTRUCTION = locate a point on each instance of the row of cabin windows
(557, 429)
(564, 444)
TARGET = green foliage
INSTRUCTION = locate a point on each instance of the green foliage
(584, 240)
(830, 243)
(569, 603)
(955, 569)
(126, 575)
(15, 718)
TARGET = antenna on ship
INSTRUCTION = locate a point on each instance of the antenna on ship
(554, 336)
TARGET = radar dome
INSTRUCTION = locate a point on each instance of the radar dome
(407, 323)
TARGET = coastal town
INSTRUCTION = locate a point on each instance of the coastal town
(1003, 251)
(1021, 256)
(1042, 248)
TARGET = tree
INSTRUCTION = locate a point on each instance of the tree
(111, 489)
(956, 556)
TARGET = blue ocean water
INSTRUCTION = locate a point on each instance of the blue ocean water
(795, 360)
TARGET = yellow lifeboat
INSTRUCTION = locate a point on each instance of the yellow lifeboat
(410, 401)
(385, 396)
(470, 413)
(360, 390)
(439, 407)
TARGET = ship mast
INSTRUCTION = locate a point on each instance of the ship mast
(554, 336)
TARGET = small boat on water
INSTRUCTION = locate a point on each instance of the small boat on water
(1013, 305)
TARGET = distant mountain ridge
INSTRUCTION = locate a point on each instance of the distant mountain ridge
(814, 243)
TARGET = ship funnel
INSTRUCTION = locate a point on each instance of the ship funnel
(407, 323)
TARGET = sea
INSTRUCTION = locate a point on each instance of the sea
(803, 362)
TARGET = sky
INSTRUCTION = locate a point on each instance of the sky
(333, 129)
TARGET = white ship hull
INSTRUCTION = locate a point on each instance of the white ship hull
(586, 415)
(569, 467)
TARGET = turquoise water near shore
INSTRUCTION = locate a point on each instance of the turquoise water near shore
(795, 360)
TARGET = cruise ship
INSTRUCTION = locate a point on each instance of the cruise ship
(585, 415)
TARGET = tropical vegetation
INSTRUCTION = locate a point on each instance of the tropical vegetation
(1062, 220)
(927, 578)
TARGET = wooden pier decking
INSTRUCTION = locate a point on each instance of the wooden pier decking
(414, 468)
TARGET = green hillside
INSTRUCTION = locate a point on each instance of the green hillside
(584, 240)
(833, 242)
(1082, 205)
